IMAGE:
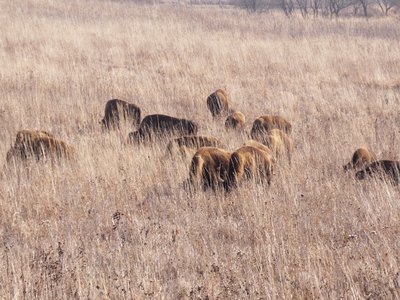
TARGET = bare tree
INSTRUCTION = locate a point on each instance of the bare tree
(335, 6)
(364, 5)
(287, 7)
(253, 5)
(250, 5)
(356, 7)
(303, 7)
(315, 6)
(387, 5)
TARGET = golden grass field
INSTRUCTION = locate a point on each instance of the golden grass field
(117, 223)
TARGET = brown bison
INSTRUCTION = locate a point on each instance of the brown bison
(155, 127)
(40, 145)
(119, 109)
(361, 158)
(382, 169)
(218, 103)
(248, 163)
(264, 124)
(262, 147)
(23, 143)
(192, 142)
(209, 167)
(235, 120)
(279, 142)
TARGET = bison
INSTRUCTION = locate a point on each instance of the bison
(264, 125)
(156, 127)
(248, 163)
(361, 158)
(235, 120)
(119, 109)
(218, 103)
(262, 147)
(278, 141)
(40, 145)
(382, 169)
(24, 140)
(208, 168)
(192, 142)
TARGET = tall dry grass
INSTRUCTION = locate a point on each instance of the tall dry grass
(118, 224)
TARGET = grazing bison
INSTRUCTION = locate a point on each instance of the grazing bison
(264, 124)
(117, 109)
(248, 163)
(218, 103)
(262, 147)
(192, 142)
(279, 143)
(361, 158)
(382, 169)
(155, 127)
(40, 145)
(24, 141)
(235, 120)
(209, 167)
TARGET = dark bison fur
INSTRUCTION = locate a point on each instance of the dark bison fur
(159, 127)
(382, 169)
(218, 103)
(116, 110)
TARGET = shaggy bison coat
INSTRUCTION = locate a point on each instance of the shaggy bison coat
(264, 125)
(209, 167)
(361, 158)
(279, 142)
(186, 143)
(118, 109)
(248, 163)
(262, 147)
(382, 169)
(218, 103)
(40, 145)
(155, 127)
(235, 120)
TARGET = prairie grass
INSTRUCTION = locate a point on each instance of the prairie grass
(118, 224)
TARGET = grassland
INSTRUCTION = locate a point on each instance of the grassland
(117, 224)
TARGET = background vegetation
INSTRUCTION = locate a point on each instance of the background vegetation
(118, 223)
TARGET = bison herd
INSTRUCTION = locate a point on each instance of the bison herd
(212, 166)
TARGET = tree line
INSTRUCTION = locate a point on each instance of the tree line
(332, 8)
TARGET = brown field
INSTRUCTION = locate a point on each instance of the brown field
(118, 224)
